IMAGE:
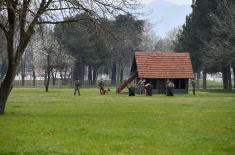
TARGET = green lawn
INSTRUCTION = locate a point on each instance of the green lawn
(53, 123)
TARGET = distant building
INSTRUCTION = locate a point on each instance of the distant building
(158, 67)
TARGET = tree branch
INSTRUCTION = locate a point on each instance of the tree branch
(59, 22)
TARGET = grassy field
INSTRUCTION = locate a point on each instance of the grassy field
(40, 123)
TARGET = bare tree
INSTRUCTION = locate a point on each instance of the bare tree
(153, 42)
(23, 15)
(149, 38)
(52, 57)
(167, 43)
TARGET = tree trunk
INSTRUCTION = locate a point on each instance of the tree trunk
(53, 75)
(48, 73)
(118, 74)
(61, 76)
(34, 78)
(6, 85)
(233, 66)
(121, 74)
(75, 71)
(204, 80)
(22, 72)
(71, 79)
(114, 73)
(198, 81)
(94, 75)
(89, 73)
(64, 82)
(79, 71)
(225, 78)
(82, 72)
(53, 79)
(3, 69)
(48, 80)
(229, 78)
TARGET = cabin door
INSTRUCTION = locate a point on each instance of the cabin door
(161, 85)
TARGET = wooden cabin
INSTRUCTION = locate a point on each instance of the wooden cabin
(158, 67)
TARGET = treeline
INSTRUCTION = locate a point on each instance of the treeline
(68, 49)
(104, 47)
(209, 36)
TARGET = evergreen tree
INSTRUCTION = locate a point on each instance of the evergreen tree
(208, 35)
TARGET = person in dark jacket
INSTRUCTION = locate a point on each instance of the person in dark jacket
(77, 85)
(193, 86)
(169, 88)
(101, 86)
(131, 90)
(148, 87)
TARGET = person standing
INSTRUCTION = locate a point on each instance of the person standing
(131, 90)
(169, 88)
(148, 87)
(101, 86)
(141, 86)
(193, 86)
(77, 87)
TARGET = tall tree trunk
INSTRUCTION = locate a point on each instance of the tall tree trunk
(23, 72)
(225, 77)
(48, 80)
(79, 71)
(6, 85)
(45, 78)
(90, 73)
(95, 74)
(233, 66)
(198, 81)
(204, 80)
(82, 72)
(114, 73)
(34, 77)
(118, 75)
(48, 73)
(72, 78)
(61, 76)
(53, 75)
(3, 69)
(64, 82)
(121, 74)
(76, 71)
(229, 78)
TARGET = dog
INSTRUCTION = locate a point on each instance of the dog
(105, 91)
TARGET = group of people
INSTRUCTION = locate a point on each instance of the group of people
(142, 88)
(170, 87)
(101, 84)
(147, 88)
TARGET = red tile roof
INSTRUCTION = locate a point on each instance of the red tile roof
(163, 65)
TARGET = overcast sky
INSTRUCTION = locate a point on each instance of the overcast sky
(164, 15)
(177, 2)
